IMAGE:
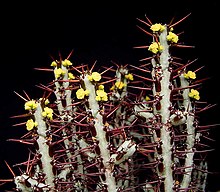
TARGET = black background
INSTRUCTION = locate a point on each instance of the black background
(105, 31)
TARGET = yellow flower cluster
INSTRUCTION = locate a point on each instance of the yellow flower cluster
(157, 27)
(190, 75)
(46, 101)
(155, 47)
(59, 72)
(30, 105)
(101, 95)
(66, 63)
(129, 77)
(71, 76)
(81, 93)
(53, 64)
(194, 94)
(172, 37)
(119, 84)
(30, 124)
(95, 76)
(47, 113)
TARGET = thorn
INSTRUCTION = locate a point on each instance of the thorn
(141, 88)
(184, 46)
(43, 69)
(12, 172)
(145, 78)
(106, 70)
(102, 83)
(144, 22)
(20, 116)
(20, 96)
(181, 88)
(207, 126)
(184, 66)
(144, 70)
(19, 124)
(70, 54)
(148, 33)
(148, 20)
(180, 21)
(145, 59)
(41, 86)
(21, 141)
(93, 66)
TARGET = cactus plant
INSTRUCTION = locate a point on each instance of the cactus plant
(120, 127)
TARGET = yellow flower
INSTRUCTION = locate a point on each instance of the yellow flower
(81, 93)
(101, 95)
(101, 87)
(46, 101)
(95, 76)
(48, 113)
(53, 64)
(71, 76)
(157, 27)
(30, 124)
(119, 84)
(155, 47)
(30, 105)
(172, 37)
(194, 94)
(86, 92)
(66, 63)
(147, 98)
(59, 72)
(190, 75)
(112, 88)
(129, 77)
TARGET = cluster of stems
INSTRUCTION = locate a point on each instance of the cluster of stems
(117, 128)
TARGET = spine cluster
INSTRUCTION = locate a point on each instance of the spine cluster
(118, 128)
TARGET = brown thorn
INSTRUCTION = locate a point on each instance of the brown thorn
(106, 70)
(147, 58)
(20, 96)
(145, 78)
(141, 88)
(12, 172)
(148, 33)
(102, 83)
(181, 88)
(43, 69)
(143, 22)
(69, 54)
(148, 20)
(142, 46)
(60, 56)
(93, 66)
(20, 116)
(18, 124)
(184, 66)
(171, 21)
(180, 21)
(184, 46)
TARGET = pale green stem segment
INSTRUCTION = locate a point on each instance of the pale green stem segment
(101, 135)
(164, 112)
(190, 141)
(44, 147)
